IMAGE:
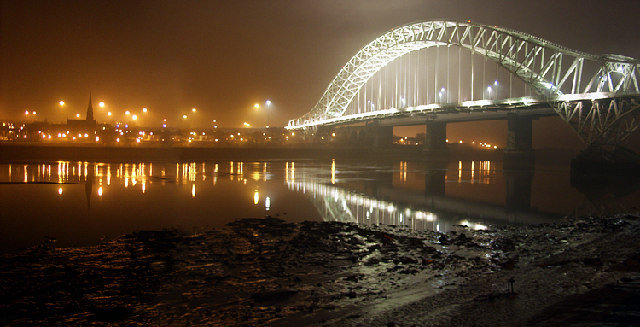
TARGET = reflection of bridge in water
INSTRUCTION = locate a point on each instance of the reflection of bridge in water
(380, 202)
(436, 72)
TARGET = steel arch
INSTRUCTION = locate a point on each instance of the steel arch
(534, 60)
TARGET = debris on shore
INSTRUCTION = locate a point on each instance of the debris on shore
(269, 272)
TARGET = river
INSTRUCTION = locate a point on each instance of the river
(80, 203)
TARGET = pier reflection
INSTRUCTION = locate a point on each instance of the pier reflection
(396, 196)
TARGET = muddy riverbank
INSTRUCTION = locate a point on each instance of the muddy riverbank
(268, 272)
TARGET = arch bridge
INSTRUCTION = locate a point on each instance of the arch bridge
(440, 71)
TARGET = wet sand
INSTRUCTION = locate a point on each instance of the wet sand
(263, 272)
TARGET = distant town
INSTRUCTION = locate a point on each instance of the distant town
(90, 132)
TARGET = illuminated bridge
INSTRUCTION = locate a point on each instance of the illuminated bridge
(435, 72)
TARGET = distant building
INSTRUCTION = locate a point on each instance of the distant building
(83, 125)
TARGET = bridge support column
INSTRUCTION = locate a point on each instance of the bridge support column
(380, 136)
(519, 135)
(436, 137)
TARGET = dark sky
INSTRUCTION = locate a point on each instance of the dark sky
(223, 56)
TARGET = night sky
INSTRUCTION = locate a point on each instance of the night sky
(223, 56)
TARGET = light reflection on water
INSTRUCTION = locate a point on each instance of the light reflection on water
(81, 202)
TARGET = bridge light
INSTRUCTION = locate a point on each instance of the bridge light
(61, 103)
(193, 109)
(257, 106)
(144, 110)
(495, 83)
(134, 117)
(101, 104)
(184, 116)
(26, 112)
(77, 115)
(442, 90)
(489, 89)
(127, 113)
(268, 103)
(109, 114)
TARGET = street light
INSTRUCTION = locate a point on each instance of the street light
(268, 103)
(61, 103)
(101, 104)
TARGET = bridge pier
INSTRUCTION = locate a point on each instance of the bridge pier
(519, 135)
(380, 136)
(436, 137)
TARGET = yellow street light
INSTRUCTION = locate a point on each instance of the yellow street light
(257, 106)
(193, 109)
(144, 110)
(246, 124)
(109, 113)
(61, 103)
(134, 117)
(77, 115)
(184, 116)
(101, 104)
(127, 112)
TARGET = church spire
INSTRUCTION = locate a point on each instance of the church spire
(90, 109)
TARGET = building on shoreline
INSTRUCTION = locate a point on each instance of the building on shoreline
(87, 125)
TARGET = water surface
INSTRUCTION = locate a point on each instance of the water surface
(80, 203)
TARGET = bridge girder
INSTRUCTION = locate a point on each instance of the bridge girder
(539, 63)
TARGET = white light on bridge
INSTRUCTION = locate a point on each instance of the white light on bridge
(489, 89)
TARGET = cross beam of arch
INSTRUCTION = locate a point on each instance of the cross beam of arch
(551, 70)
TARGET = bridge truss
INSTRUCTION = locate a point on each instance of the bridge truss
(598, 95)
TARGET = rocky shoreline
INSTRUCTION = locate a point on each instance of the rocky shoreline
(259, 272)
